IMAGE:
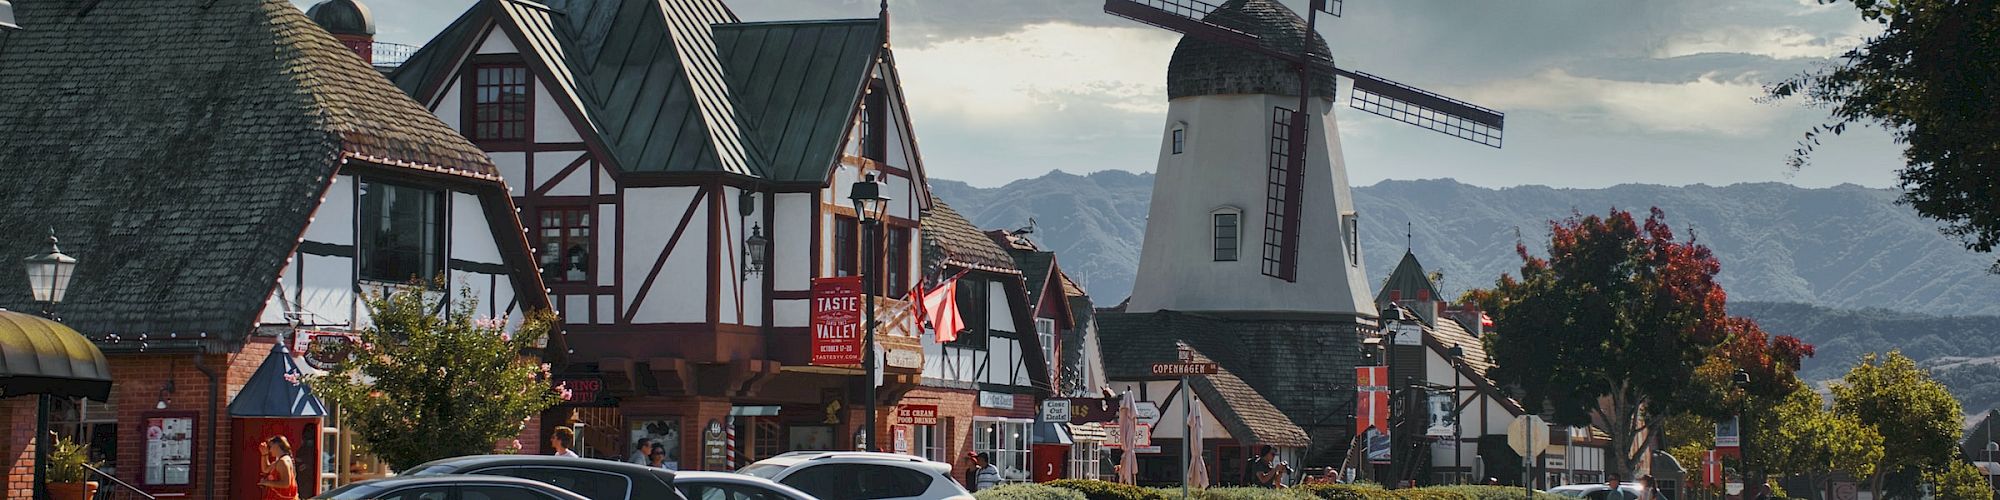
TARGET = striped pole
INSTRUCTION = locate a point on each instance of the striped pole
(730, 429)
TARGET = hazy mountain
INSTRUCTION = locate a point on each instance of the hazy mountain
(1960, 350)
(1846, 247)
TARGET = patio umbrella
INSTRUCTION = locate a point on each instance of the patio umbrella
(1197, 467)
(1128, 435)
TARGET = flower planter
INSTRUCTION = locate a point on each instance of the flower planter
(73, 491)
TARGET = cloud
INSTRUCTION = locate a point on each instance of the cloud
(1040, 69)
(1776, 42)
(1706, 105)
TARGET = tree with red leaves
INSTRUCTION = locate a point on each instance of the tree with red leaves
(1614, 324)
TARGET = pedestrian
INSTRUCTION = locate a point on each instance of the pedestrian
(1265, 470)
(642, 452)
(561, 440)
(657, 459)
(983, 474)
(1646, 491)
(1612, 490)
(280, 480)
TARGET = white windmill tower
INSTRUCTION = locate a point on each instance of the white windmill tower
(1251, 210)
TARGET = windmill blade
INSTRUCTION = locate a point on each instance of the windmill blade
(1426, 109)
(1327, 6)
(1185, 17)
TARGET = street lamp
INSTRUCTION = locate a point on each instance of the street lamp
(868, 205)
(7, 16)
(49, 273)
(1392, 319)
(1457, 353)
(1742, 382)
(754, 246)
(48, 279)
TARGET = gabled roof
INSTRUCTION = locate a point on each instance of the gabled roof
(276, 390)
(799, 84)
(1408, 282)
(178, 148)
(1238, 407)
(680, 85)
(950, 240)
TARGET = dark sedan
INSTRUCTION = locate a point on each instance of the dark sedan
(449, 487)
(592, 478)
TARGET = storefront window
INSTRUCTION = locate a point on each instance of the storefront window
(926, 442)
(1084, 458)
(91, 424)
(663, 430)
(1008, 441)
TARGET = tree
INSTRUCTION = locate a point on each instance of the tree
(1916, 416)
(1930, 80)
(1960, 481)
(1610, 328)
(1769, 366)
(422, 387)
(1800, 436)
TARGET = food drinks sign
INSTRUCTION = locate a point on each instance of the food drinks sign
(836, 321)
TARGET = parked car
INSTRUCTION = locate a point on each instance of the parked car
(728, 486)
(840, 475)
(594, 479)
(1598, 491)
(450, 487)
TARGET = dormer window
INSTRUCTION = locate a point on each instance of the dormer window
(1180, 138)
(875, 122)
(499, 110)
(1226, 230)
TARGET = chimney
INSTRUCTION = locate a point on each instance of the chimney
(350, 22)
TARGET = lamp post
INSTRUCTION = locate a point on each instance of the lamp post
(868, 202)
(48, 279)
(1742, 382)
(1457, 353)
(1391, 320)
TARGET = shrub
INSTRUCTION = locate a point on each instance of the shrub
(1470, 492)
(1028, 492)
(1106, 490)
(66, 462)
(1242, 493)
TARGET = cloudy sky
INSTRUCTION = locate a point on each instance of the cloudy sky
(1597, 92)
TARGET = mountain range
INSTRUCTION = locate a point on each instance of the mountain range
(1842, 247)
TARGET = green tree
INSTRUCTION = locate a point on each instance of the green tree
(1929, 80)
(1917, 418)
(420, 387)
(1610, 328)
(1960, 481)
(1800, 436)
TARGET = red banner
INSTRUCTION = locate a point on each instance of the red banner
(1371, 386)
(836, 321)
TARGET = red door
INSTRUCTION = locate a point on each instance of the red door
(1051, 462)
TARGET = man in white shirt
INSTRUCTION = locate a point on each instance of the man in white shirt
(561, 441)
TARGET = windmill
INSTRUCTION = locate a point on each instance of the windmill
(1370, 93)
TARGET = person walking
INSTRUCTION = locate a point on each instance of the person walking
(561, 440)
(280, 480)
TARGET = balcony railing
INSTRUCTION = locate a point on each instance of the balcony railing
(391, 55)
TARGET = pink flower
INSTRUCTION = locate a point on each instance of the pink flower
(490, 323)
(562, 389)
(293, 378)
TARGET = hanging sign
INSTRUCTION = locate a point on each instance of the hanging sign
(1087, 410)
(1728, 434)
(836, 321)
(1444, 415)
(1371, 384)
(1055, 410)
(714, 446)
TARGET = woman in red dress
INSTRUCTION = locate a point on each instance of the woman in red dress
(279, 481)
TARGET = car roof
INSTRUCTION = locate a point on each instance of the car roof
(731, 477)
(482, 461)
(791, 459)
(402, 481)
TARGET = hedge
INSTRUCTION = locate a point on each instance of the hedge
(1028, 491)
(1102, 490)
(1106, 490)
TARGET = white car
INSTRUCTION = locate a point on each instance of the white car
(697, 485)
(856, 475)
(1598, 491)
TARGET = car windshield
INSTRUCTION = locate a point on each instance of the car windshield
(430, 469)
(766, 471)
(354, 491)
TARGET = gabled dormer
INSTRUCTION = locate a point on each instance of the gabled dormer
(999, 349)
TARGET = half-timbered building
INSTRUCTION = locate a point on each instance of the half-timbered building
(683, 175)
(231, 184)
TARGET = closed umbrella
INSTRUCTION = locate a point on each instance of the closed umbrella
(1128, 435)
(1197, 467)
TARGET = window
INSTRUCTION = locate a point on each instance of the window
(1351, 222)
(1045, 331)
(90, 423)
(497, 492)
(566, 244)
(500, 103)
(401, 236)
(1007, 440)
(859, 481)
(724, 491)
(1226, 230)
(1280, 226)
(898, 263)
(1180, 138)
(972, 307)
(926, 442)
(589, 483)
(846, 256)
(423, 493)
(875, 122)
(1084, 458)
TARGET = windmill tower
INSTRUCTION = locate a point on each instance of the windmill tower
(1251, 255)
(1251, 208)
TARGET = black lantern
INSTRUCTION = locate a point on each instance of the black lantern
(48, 275)
(868, 199)
(1742, 379)
(868, 206)
(7, 16)
(754, 256)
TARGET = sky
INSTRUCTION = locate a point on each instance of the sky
(1596, 92)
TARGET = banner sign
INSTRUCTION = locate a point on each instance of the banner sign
(1087, 410)
(1444, 415)
(1371, 384)
(836, 321)
(917, 415)
(1727, 434)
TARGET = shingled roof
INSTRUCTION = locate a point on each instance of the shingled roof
(681, 86)
(1204, 67)
(1238, 407)
(950, 240)
(178, 148)
(1408, 282)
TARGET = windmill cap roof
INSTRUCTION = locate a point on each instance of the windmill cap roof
(343, 17)
(1204, 67)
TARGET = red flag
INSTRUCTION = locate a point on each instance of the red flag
(1485, 321)
(941, 309)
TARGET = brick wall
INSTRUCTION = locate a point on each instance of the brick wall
(137, 380)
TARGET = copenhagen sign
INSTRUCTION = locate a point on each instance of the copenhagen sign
(1184, 369)
(836, 321)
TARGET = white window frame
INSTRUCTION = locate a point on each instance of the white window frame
(928, 443)
(1177, 138)
(1084, 458)
(1215, 234)
(1010, 440)
(1045, 332)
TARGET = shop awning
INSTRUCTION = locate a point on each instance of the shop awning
(277, 390)
(39, 356)
(1087, 432)
(1052, 433)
